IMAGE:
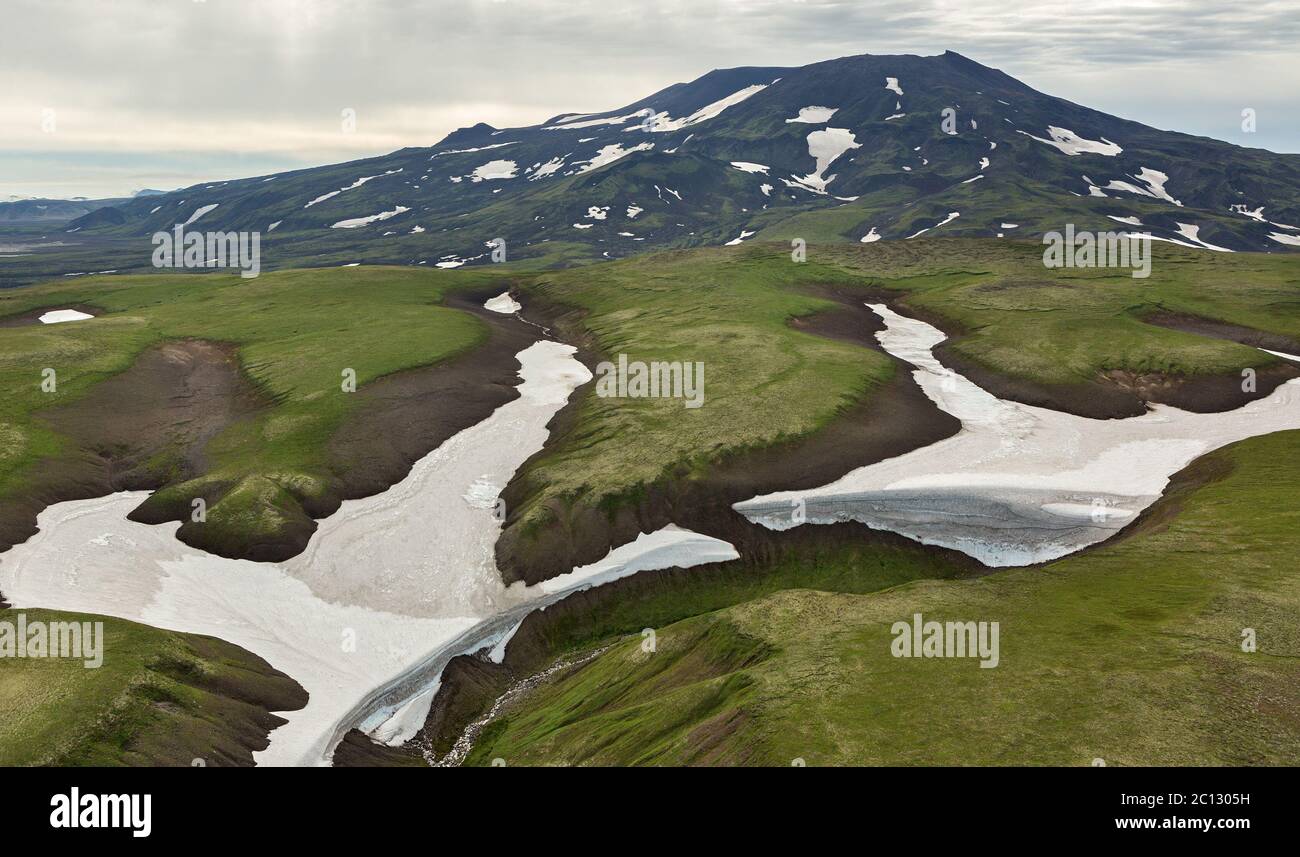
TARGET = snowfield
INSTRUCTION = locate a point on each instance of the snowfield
(814, 115)
(611, 153)
(1065, 140)
(1018, 484)
(354, 222)
(826, 146)
(403, 574)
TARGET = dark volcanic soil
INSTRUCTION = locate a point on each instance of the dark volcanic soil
(233, 718)
(399, 420)
(149, 426)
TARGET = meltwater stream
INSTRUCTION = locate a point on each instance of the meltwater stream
(1017, 484)
(389, 588)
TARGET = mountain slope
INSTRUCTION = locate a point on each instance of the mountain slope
(847, 149)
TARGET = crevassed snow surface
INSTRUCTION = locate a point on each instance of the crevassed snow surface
(1018, 484)
(814, 115)
(384, 581)
(59, 316)
(1065, 140)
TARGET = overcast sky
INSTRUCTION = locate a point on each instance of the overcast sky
(166, 93)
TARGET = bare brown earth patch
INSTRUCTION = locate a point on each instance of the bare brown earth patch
(138, 430)
(1223, 330)
(398, 420)
(406, 416)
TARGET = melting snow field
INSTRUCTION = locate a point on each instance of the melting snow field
(387, 586)
(503, 303)
(1018, 484)
(59, 316)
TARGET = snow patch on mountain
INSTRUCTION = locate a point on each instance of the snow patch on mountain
(662, 122)
(199, 212)
(826, 146)
(1192, 233)
(1153, 181)
(554, 165)
(952, 215)
(871, 237)
(814, 115)
(570, 124)
(891, 83)
(356, 184)
(1283, 238)
(743, 235)
(354, 222)
(611, 153)
(1071, 143)
(474, 149)
(494, 170)
(747, 167)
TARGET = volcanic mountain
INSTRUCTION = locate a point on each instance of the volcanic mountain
(855, 149)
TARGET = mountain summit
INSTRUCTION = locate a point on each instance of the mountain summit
(855, 149)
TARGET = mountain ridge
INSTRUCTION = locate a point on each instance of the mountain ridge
(849, 149)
